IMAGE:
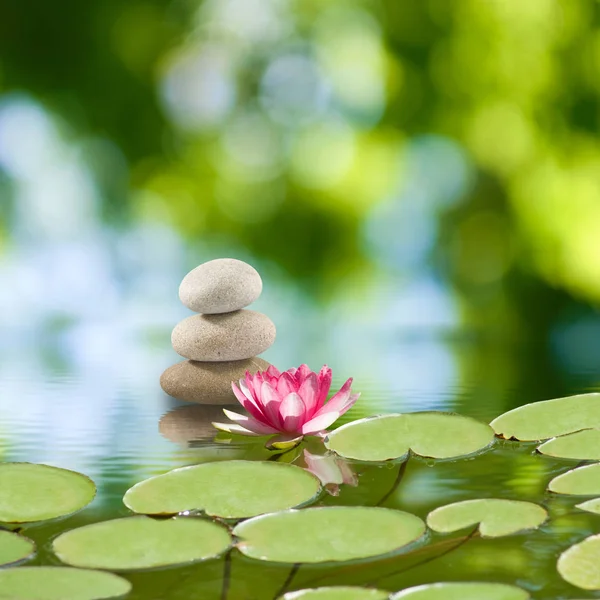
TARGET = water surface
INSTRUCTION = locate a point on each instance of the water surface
(120, 428)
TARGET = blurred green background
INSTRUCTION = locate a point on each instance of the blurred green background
(327, 138)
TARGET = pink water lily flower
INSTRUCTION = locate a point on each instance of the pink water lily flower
(291, 404)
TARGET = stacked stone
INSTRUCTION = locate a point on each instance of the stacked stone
(222, 342)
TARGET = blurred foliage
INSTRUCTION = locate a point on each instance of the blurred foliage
(281, 124)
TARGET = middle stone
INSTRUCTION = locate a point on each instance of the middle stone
(229, 336)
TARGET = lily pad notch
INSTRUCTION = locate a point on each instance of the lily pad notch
(496, 517)
(549, 418)
(428, 434)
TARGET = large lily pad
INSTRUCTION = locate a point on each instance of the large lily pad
(230, 489)
(581, 445)
(30, 492)
(14, 548)
(141, 543)
(462, 591)
(549, 418)
(496, 517)
(583, 481)
(579, 564)
(337, 593)
(430, 434)
(324, 534)
(60, 583)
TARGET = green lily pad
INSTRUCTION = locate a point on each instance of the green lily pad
(496, 517)
(30, 492)
(549, 418)
(59, 583)
(337, 593)
(325, 534)
(231, 489)
(14, 548)
(430, 434)
(592, 506)
(463, 591)
(583, 481)
(581, 445)
(141, 543)
(579, 564)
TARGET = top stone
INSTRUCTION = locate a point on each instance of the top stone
(220, 286)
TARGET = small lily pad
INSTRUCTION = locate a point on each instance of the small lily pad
(231, 489)
(496, 517)
(14, 548)
(325, 534)
(337, 593)
(592, 506)
(429, 434)
(141, 543)
(581, 445)
(583, 481)
(30, 492)
(463, 591)
(549, 418)
(579, 564)
(59, 583)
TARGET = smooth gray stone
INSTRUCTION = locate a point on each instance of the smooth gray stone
(220, 286)
(208, 382)
(230, 336)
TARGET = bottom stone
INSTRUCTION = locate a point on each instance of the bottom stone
(207, 382)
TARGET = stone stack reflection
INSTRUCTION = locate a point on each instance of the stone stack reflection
(222, 342)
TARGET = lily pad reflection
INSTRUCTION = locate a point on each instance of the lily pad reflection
(324, 534)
